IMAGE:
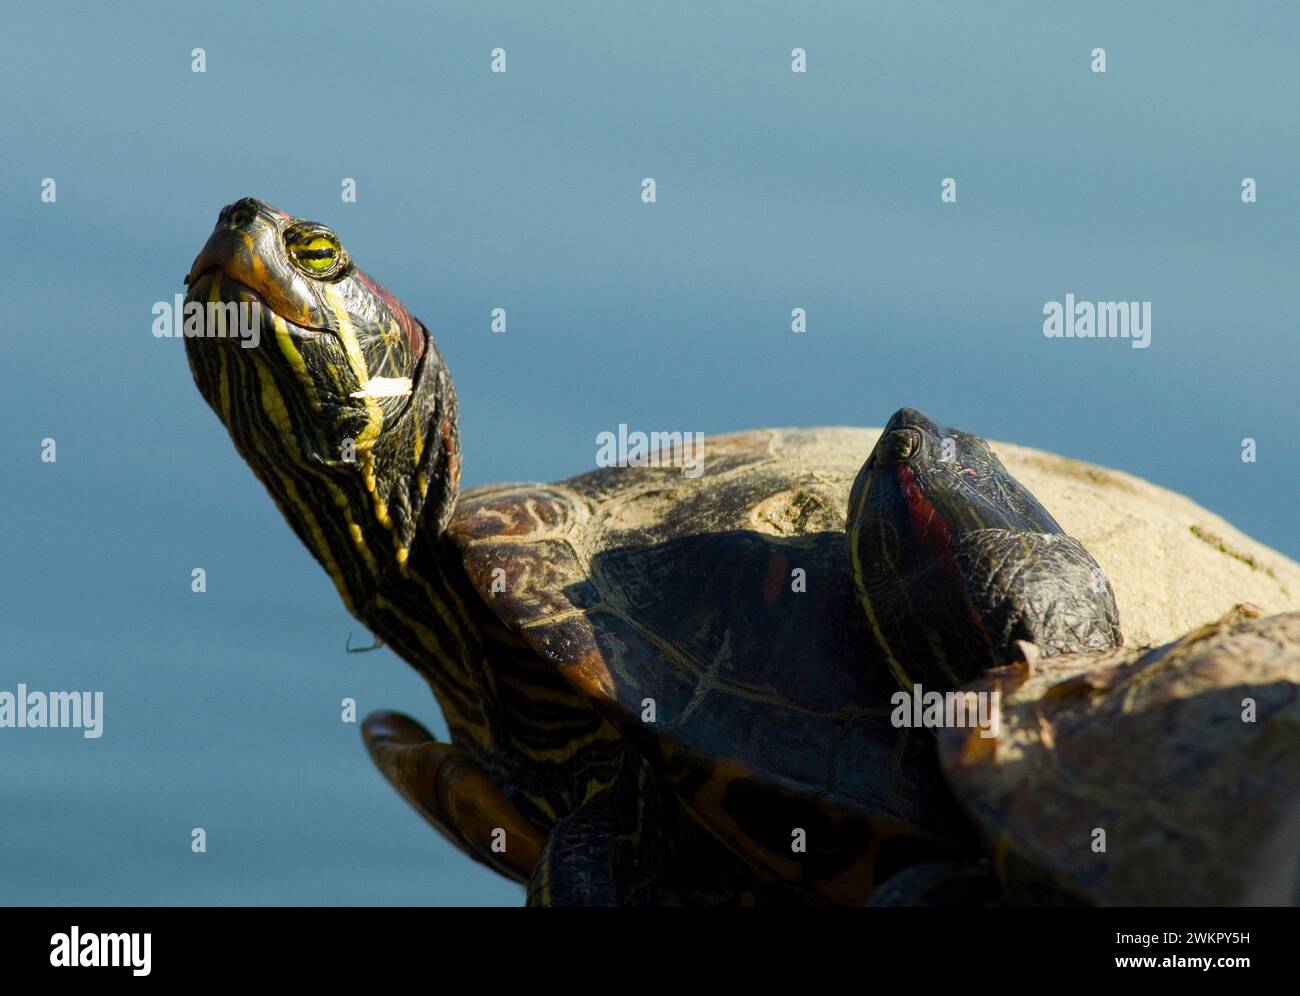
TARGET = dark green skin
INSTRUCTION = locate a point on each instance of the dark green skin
(955, 561)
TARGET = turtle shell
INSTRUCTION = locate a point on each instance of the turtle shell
(1145, 777)
(713, 619)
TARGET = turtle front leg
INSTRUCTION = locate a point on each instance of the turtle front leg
(610, 851)
(453, 794)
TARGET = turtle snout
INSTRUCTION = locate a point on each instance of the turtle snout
(896, 446)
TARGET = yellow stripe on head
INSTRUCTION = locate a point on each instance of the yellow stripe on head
(290, 350)
(357, 362)
(855, 557)
(225, 386)
(374, 413)
(274, 407)
(214, 297)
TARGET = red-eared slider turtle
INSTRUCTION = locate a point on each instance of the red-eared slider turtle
(1166, 776)
(629, 656)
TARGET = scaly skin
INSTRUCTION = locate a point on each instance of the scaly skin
(955, 561)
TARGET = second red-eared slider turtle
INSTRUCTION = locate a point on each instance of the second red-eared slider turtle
(630, 656)
(1144, 777)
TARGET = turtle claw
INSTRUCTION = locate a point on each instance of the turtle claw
(1026, 653)
(1241, 612)
(453, 794)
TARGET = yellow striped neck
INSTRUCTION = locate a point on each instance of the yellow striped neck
(363, 482)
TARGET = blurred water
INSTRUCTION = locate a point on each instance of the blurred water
(475, 191)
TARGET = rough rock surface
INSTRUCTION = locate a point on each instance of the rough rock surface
(1173, 564)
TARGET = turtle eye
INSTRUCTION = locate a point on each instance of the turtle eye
(237, 215)
(315, 251)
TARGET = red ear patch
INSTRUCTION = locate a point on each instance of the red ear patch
(411, 328)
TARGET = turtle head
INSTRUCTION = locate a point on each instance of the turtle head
(956, 561)
(918, 466)
(335, 395)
